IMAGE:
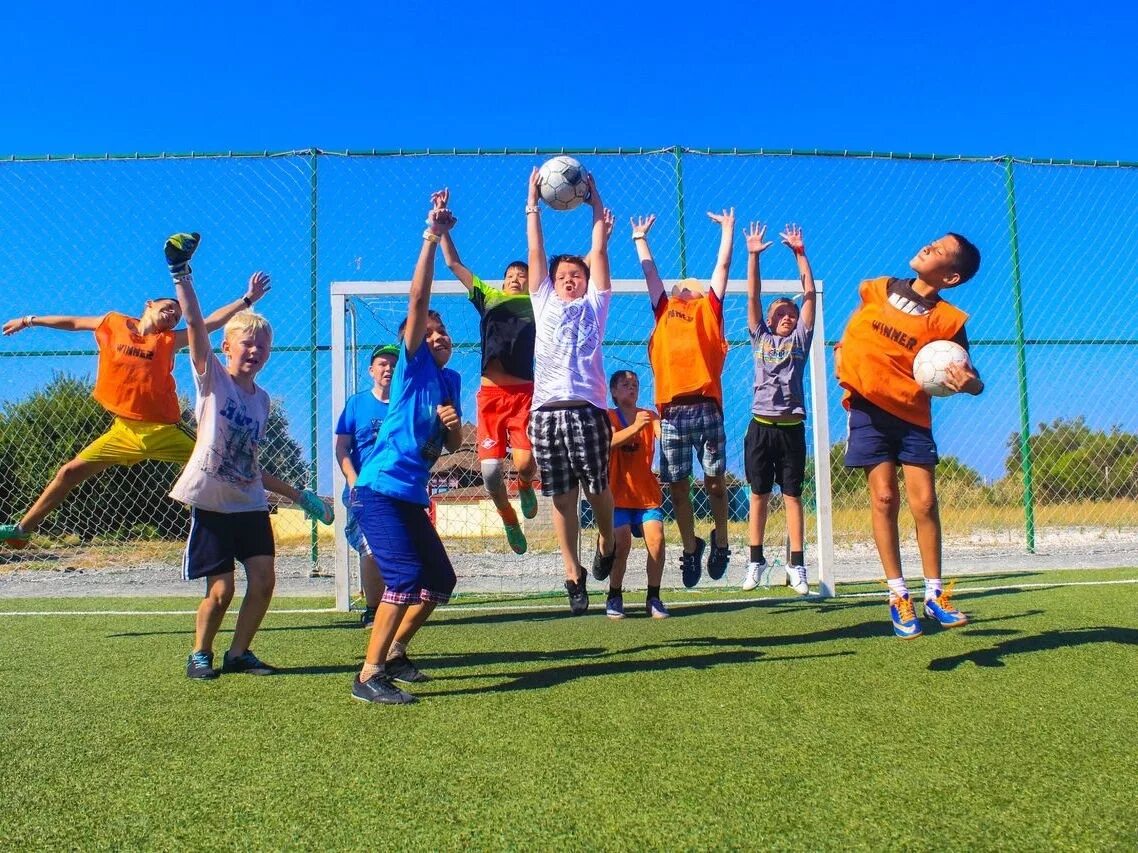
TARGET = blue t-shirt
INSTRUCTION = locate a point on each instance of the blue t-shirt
(362, 417)
(412, 436)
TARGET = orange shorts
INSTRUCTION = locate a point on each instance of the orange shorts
(503, 414)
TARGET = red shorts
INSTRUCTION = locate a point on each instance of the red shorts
(503, 414)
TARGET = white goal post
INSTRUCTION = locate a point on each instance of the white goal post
(343, 385)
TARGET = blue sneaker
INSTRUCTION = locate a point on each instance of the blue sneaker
(614, 606)
(941, 609)
(905, 622)
(200, 665)
(655, 608)
(691, 565)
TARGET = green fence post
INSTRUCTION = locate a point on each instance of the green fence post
(1021, 363)
(313, 342)
(678, 154)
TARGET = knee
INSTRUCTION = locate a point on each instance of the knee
(885, 501)
(623, 545)
(71, 473)
(716, 487)
(924, 506)
(221, 594)
(492, 475)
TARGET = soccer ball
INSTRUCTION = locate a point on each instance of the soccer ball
(563, 183)
(931, 362)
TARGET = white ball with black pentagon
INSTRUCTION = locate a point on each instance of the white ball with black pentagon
(932, 362)
(563, 182)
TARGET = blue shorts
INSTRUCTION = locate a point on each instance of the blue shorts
(875, 436)
(352, 529)
(412, 560)
(635, 518)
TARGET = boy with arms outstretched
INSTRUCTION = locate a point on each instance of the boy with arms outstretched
(890, 415)
(222, 482)
(569, 428)
(636, 493)
(135, 383)
(506, 392)
(357, 432)
(774, 450)
(687, 351)
(423, 418)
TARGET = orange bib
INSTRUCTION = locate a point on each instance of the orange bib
(136, 372)
(878, 348)
(687, 349)
(633, 484)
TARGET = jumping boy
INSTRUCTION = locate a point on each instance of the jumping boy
(569, 427)
(506, 393)
(222, 482)
(423, 417)
(135, 383)
(890, 416)
(687, 351)
(357, 432)
(636, 493)
(774, 450)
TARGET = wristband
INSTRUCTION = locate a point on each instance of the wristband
(639, 235)
(28, 320)
(532, 208)
(799, 251)
(248, 302)
(429, 236)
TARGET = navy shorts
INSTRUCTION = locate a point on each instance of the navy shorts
(775, 454)
(405, 545)
(218, 540)
(875, 436)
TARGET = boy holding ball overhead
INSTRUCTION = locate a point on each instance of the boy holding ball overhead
(890, 416)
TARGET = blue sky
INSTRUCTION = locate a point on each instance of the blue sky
(970, 79)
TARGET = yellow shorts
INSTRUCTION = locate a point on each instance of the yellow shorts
(130, 442)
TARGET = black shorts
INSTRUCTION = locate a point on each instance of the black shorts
(217, 539)
(775, 454)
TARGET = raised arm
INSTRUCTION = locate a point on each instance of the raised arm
(179, 249)
(63, 322)
(792, 239)
(756, 245)
(641, 225)
(610, 221)
(450, 253)
(722, 270)
(259, 283)
(599, 252)
(439, 222)
(538, 263)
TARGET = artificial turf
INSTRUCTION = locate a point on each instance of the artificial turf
(790, 724)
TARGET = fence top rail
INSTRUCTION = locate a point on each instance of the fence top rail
(675, 150)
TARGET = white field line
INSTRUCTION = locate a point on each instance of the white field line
(507, 608)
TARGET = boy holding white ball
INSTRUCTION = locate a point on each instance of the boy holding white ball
(890, 415)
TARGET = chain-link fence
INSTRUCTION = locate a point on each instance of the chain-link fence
(1042, 467)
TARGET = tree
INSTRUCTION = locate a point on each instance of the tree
(1070, 462)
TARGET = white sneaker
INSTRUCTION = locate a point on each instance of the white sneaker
(755, 572)
(796, 579)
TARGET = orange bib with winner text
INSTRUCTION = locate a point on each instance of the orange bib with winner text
(878, 348)
(687, 349)
(136, 372)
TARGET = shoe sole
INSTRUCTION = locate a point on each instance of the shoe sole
(907, 636)
(209, 677)
(411, 701)
(614, 616)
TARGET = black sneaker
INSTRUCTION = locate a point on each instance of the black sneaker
(402, 670)
(380, 690)
(602, 565)
(200, 665)
(578, 595)
(247, 663)
(368, 617)
(691, 565)
(717, 560)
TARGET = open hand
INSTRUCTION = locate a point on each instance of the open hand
(756, 244)
(642, 224)
(258, 286)
(792, 239)
(726, 219)
(14, 325)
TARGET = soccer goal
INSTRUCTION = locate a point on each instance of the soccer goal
(366, 314)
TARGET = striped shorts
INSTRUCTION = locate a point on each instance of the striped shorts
(571, 446)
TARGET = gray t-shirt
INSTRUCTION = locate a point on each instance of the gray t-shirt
(780, 365)
(223, 474)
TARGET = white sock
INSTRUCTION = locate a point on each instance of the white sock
(369, 669)
(897, 588)
(396, 650)
(933, 588)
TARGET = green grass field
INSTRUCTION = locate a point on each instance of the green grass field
(780, 724)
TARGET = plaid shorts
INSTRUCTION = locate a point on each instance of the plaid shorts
(691, 426)
(571, 446)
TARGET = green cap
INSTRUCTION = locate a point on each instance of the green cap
(386, 349)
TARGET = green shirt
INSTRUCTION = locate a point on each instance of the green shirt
(507, 328)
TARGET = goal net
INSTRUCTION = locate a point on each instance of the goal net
(366, 314)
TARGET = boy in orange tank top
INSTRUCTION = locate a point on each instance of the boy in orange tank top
(636, 494)
(135, 384)
(890, 416)
(687, 351)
